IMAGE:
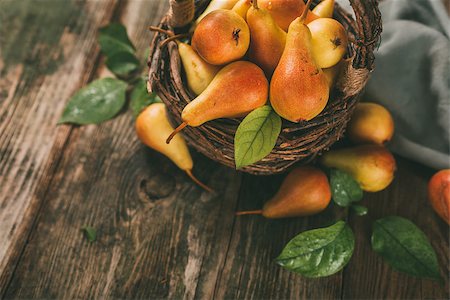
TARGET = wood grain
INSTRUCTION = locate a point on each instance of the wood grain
(48, 52)
(159, 235)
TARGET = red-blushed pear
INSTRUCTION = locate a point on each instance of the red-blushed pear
(372, 166)
(237, 89)
(329, 40)
(299, 89)
(285, 12)
(221, 37)
(152, 128)
(304, 192)
(267, 39)
(439, 194)
(324, 9)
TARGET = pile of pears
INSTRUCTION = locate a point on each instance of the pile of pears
(246, 53)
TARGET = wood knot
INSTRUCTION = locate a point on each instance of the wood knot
(157, 187)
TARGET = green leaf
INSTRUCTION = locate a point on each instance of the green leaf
(114, 39)
(256, 136)
(140, 98)
(99, 101)
(344, 188)
(405, 247)
(90, 233)
(122, 64)
(319, 252)
(360, 210)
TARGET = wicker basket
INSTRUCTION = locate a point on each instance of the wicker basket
(298, 142)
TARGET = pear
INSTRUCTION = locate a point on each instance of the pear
(329, 40)
(370, 123)
(152, 127)
(372, 166)
(332, 73)
(299, 89)
(286, 11)
(221, 37)
(324, 9)
(304, 192)
(241, 8)
(439, 194)
(237, 89)
(267, 39)
(199, 73)
(215, 5)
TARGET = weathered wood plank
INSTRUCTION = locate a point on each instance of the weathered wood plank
(157, 233)
(48, 51)
(367, 276)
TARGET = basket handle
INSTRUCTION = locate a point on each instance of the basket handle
(181, 12)
(369, 27)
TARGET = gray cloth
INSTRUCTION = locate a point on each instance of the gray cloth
(411, 78)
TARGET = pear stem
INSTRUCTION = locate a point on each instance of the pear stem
(198, 182)
(255, 4)
(249, 212)
(160, 30)
(173, 38)
(305, 11)
(178, 129)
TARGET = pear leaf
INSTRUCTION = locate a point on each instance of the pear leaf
(90, 233)
(319, 252)
(405, 247)
(256, 136)
(122, 64)
(99, 101)
(140, 98)
(359, 210)
(344, 188)
(114, 39)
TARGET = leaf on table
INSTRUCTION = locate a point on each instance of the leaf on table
(140, 98)
(122, 64)
(99, 101)
(319, 252)
(114, 39)
(405, 247)
(344, 188)
(256, 136)
(90, 233)
(359, 210)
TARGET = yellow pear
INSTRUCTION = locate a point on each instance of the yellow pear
(332, 73)
(286, 11)
(221, 37)
(304, 192)
(152, 128)
(370, 123)
(199, 73)
(267, 39)
(299, 89)
(329, 40)
(215, 5)
(372, 166)
(237, 89)
(241, 8)
(324, 9)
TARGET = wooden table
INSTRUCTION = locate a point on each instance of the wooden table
(159, 236)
